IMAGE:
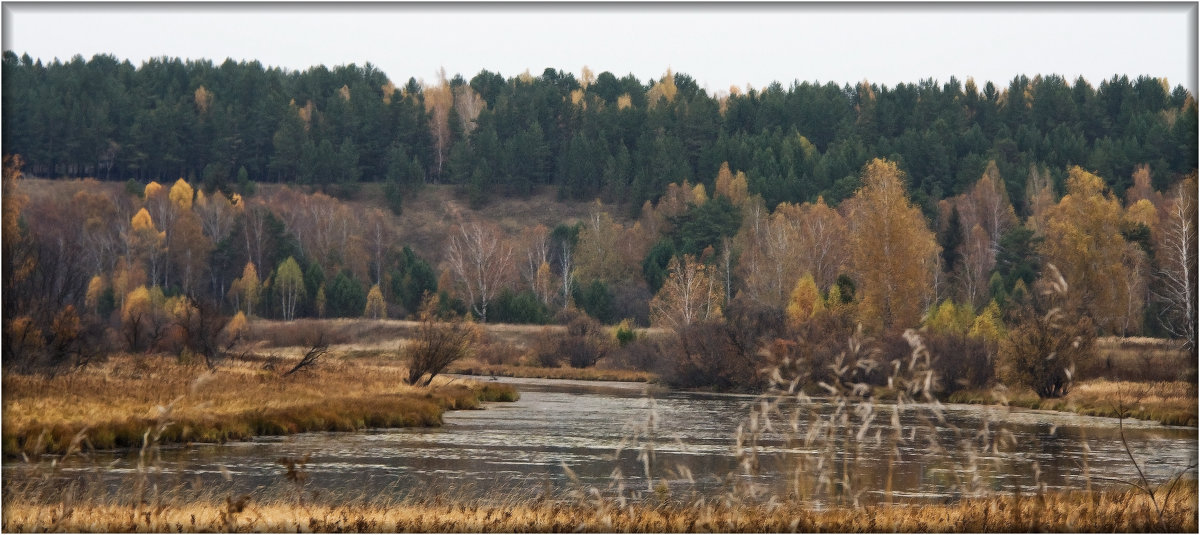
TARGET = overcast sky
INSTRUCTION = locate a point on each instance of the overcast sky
(717, 44)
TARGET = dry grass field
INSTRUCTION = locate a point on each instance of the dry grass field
(1166, 402)
(382, 340)
(1139, 359)
(1129, 511)
(114, 403)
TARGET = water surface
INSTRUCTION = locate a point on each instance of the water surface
(565, 436)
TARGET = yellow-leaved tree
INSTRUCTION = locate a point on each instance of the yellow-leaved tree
(181, 194)
(663, 89)
(949, 318)
(246, 289)
(148, 243)
(731, 186)
(376, 309)
(988, 325)
(805, 301)
(892, 251)
(1083, 240)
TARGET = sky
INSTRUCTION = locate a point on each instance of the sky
(718, 44)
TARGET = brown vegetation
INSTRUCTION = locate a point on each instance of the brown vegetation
(114, 403)
(1139, 359)
(1128, 511)
(1166, 402)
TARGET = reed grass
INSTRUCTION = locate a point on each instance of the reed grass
(1166, 402)
(1121, 511)
(114, 403)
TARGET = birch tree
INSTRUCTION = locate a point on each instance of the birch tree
(893, 252)
(289, 286)
(480, 259)
(1176, 288)
(1083, 239)
(690, 294)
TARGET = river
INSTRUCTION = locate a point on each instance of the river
(565, 436)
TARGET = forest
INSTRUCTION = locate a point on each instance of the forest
(215, 194)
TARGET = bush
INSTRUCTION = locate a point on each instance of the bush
(437, 343)
(960, 362)
(492, 350)
(583, 345)
(819, 343)
(642, 354)
(1041, 351)
(545, 350)
(754, 324)
(518, 307)
(624, 333)
(706, 355)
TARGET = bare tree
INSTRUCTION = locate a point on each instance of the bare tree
(689, 295)
(480, 258)
(536, 243)
(380, 234)
(318, 349)
(568, 276)
(202, 323)
(438, 344)
(1176, 288)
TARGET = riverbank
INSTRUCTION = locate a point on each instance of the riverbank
(115, 403)
(1166, 402)
(475, 367)
(1128, 511)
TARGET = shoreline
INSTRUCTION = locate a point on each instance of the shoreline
(131, 401)
(1169, 403)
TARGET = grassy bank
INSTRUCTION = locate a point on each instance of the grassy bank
(473, 367)
(1166, 402)
(381, 340)
(1128, 511)
(113, 404)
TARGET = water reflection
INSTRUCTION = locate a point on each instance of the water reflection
(607, 434)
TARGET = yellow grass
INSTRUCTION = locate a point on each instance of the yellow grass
(1138, 359)
(1167, 402)
(381, 340)
(118, 400)
(1129, 511)
(474, 367)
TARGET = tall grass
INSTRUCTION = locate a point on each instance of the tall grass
(114, 403)
(1121, 511)
(1166, 402)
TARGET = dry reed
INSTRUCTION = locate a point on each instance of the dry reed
(118, 400)
(1125, 511)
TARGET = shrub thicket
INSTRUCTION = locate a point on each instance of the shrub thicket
(1047, 340)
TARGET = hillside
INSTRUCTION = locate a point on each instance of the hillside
(428, 216)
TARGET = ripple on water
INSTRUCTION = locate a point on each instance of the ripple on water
(519, 448)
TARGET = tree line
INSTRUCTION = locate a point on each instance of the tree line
(733, 219)
(141, 268)
(596, 135)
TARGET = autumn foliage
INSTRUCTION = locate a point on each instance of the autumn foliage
(893, 252)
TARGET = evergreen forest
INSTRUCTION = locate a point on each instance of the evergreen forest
(214, 193)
